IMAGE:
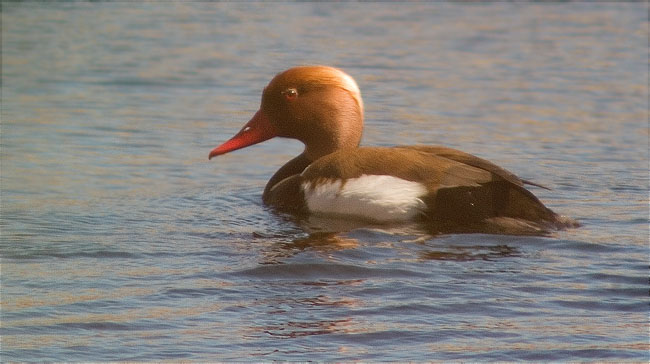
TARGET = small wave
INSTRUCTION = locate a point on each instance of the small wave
(320, 270)
(191, 292)
(91, 254)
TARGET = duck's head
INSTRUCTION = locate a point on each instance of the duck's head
(320, 106)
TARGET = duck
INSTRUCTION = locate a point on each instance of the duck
(444, 189)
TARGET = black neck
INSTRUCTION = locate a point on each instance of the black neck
(294, 166)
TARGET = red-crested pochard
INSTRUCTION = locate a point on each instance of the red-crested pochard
(448, 190)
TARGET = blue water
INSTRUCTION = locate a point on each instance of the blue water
(121, 241)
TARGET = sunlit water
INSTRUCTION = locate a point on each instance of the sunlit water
(121, 241)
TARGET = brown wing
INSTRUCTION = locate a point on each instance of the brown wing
(473, 161)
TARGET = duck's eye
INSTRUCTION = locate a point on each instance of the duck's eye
(290, 93)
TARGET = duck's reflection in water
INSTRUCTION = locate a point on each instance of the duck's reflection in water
(423, 249)
(323, 242)
(328, 235)
(318, 242)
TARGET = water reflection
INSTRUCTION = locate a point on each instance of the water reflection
(319, 295)
(324, 242)
(326, 235)
(331, 242)
(293, 329)
(469, 253)
(321, 242)
(321, 224)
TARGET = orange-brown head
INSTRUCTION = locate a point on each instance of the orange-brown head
(320, 106)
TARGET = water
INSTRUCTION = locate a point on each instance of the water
(121, 241)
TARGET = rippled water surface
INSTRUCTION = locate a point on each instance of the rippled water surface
(121, 241)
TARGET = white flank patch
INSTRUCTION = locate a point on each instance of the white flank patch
(369, 197)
